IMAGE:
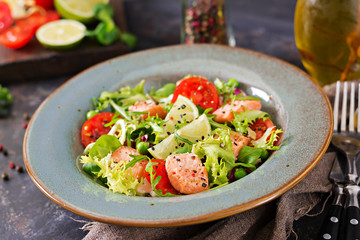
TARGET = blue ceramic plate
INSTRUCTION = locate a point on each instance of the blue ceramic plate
(297, 104)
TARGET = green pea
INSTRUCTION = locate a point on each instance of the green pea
(232, 82)
(142, 147)
(91, 113)
(240, 173)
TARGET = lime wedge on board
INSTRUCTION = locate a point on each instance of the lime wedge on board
(61, 35)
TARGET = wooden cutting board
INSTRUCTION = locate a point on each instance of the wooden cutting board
(34, 62)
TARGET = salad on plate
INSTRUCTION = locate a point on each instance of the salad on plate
(183, 138)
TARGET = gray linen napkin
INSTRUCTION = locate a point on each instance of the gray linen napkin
(271, 221)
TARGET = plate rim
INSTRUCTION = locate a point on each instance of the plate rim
(192, 220)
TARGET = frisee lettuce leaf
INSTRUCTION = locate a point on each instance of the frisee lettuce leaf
(124, 97)
(119, 178)
(219, 156)
(224, 90)
(268, 144)
(120, 129)
(242, 120)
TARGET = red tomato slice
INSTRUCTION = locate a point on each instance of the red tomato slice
(5, 16)
(19, 35)
(16, 37)
(38, 19)
(164, 183)
(46, 4)
(94, 128)
(260, 126)
(202, 92)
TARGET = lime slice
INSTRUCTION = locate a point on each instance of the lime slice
(199, 129)
(195, 131)
(164, 148)
(61, 34)
(183, 109)
(80, 10)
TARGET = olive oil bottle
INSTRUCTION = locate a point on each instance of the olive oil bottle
(327, 35)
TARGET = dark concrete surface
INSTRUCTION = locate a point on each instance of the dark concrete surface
(25, 212)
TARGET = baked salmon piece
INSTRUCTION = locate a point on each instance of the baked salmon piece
(238, 141)
(225, 113)
(150, 107)
(187, 173)
(123, 153)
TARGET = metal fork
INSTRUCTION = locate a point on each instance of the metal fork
(347, 139)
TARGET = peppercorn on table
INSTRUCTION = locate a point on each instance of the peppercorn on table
(26, 213)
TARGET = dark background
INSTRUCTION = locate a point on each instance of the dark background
(26, 213)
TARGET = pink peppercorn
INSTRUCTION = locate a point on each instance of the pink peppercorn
(24, 125)
(11, 165)
(1, 147)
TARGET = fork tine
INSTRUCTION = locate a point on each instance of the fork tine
(344, 108)
(352, 108)
(336, 106)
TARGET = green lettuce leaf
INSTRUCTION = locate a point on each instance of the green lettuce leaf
(135, 160)
(164, 91)
(250, 155)
(103, 146)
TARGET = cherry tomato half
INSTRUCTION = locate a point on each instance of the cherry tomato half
(94, 127)
(5, 16)
(202, 92)
(38, 19)
(164, 183)
(16, 37)
(23, 31)
(260, 126)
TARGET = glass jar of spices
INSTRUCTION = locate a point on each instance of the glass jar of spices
(204, 21)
